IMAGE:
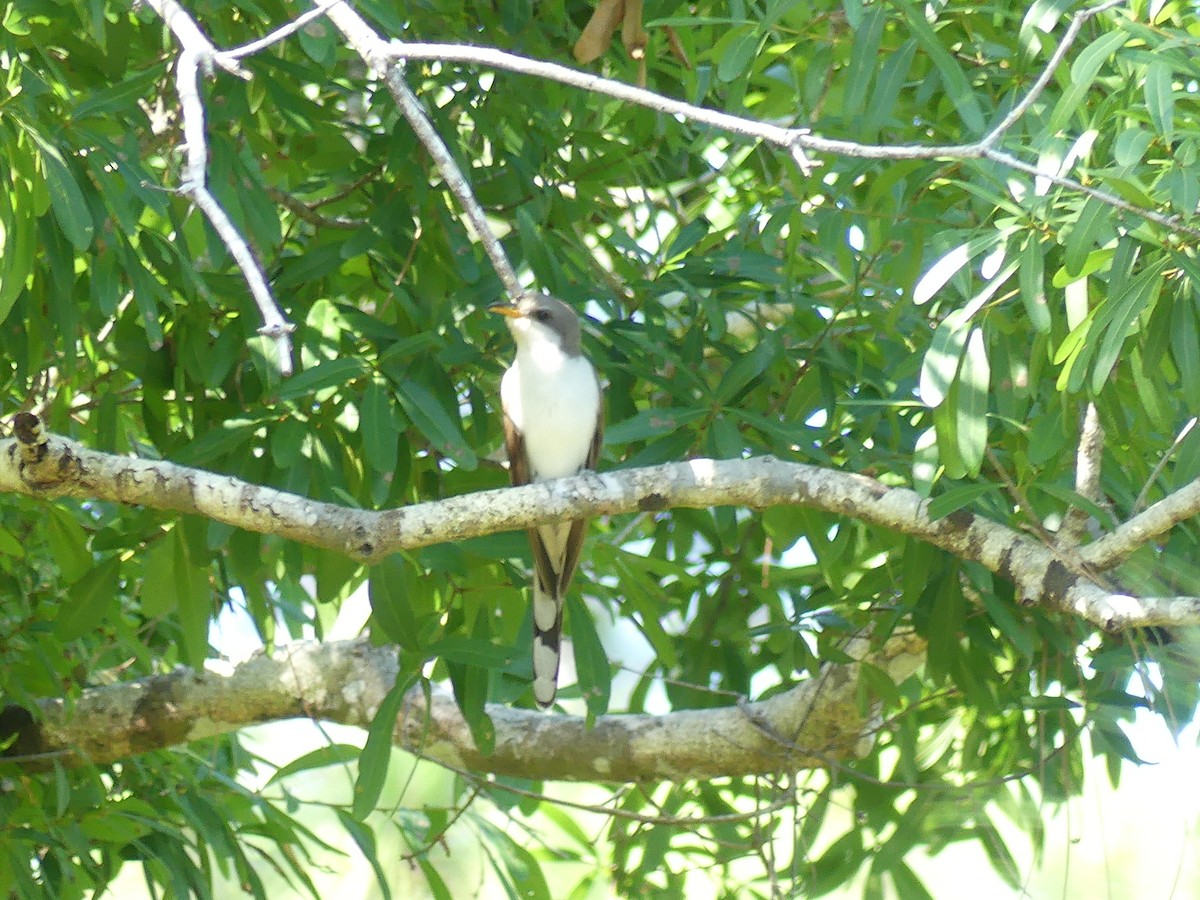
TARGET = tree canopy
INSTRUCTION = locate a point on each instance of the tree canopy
(897, 310)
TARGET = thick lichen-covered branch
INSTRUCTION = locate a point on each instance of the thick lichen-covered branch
(814, 724)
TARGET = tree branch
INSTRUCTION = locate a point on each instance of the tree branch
(797, 140)
(1158, 519)
(39, 464)
(346, 681)
(1087, 477)
(374, 51)
(199, 53)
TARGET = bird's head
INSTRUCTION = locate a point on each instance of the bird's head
(538, 318)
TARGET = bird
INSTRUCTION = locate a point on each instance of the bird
(553, 428)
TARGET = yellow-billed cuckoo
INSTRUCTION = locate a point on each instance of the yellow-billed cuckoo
(553, 427)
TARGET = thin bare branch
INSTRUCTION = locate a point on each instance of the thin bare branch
(374, 51)
(198, 54)
(1140, 503)
(798, 140)
(1060, 52)
(281, 33)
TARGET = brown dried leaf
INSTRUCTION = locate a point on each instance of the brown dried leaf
(633, 35)
(597, 35)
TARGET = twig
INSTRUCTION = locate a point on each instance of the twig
(1087, 477)
(282, 32)
(1162, 464)
(307, 213)
(410, 106)
(1060, 52)
(376, 53)
(199, 53)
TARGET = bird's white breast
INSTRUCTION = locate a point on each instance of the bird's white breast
(554, 401)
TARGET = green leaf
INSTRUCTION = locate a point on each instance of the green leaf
(89, 600)
(472, 685)
(433, 421)
(735, 52)
(195, 600)
(331, 373)
(364, 839)
(940, 366)
(1031, 278)
(907, 884)
(1094, 55)
(1083, 234)
(1071, 498)
(70, 209)
(1097, 260)
(953, 79)
(650, 423)
(958, 497)
(377, 425)
(219, 441)
(329, 755)
(517, 867)
(591, 662)
(950, 264)
(391, 611)
(18, 221)
(480, 653)
(1001, 614)
(1160, 99)
(889, 82)
(376, 754)
(945, 424)
(746, 368)
(974, 379)
(1185, 349)
(863, 60)
(1139, 295)
(68, 545)
(1131, 145)
(158, 595)
(10, 545)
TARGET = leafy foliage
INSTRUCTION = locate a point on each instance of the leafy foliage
(938, 323)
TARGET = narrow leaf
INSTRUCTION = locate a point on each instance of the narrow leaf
(376, 754)
(974, 378)
(377, 425)
(1031, 278)
(391, 611)
(88, 601)
(591, 662)
(1160, 99)
(949, 265)
(941, 362)
(432, 420)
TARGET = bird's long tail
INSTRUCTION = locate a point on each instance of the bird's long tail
(547, 642)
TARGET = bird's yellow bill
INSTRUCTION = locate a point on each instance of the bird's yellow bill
(507, 310)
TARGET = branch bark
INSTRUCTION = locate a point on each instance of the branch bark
(39, 464)
(346, 681)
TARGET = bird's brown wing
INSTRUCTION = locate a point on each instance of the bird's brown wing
(579, 526)
(518, 473)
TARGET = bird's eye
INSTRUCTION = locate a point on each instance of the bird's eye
(541, 315)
